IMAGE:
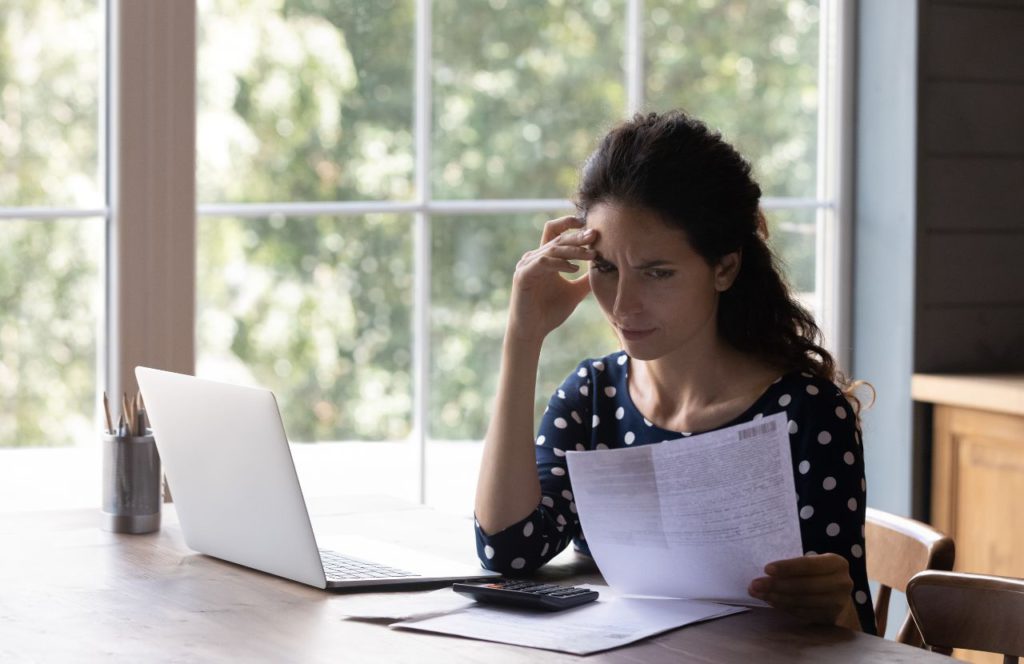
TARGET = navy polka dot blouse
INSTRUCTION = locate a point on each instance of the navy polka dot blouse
(593, 410)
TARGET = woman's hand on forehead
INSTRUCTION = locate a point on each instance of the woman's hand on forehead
(542, 298)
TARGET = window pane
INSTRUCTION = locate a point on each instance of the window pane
(50, 64)
(316, 309)
(748, 68)
(473, 261)
(50, 311)
(522, 91)
(792, 236)
(305, 100)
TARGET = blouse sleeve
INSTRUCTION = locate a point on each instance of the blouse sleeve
(528, 544)
(830, 486)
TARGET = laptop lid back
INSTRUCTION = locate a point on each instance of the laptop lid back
(231, 474)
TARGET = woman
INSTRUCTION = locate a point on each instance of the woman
(670, 224)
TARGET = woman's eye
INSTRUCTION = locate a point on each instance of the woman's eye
(603, 266)
(660, 274)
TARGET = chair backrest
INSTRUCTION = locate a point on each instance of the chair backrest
(898, 548)
(973, 611)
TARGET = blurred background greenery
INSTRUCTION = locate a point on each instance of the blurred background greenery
(313, 100)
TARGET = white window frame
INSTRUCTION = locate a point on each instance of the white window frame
(165, 335)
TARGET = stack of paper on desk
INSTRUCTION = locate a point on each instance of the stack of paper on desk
(673, 528)
(607, 623)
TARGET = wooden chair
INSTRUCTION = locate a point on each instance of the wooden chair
(897, 549)
(973, 611)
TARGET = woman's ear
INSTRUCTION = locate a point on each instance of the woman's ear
(726, 270)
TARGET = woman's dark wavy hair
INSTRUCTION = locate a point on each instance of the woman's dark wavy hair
(674, 165)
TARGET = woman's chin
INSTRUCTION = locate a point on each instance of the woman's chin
(640, 350)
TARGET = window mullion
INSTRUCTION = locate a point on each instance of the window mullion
(634, 56)
(422, 243)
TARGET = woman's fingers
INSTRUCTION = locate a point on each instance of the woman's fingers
(818, 564)
(822, 583)
(571, 252)
(813, 587)
(536, 259)
(555, 227)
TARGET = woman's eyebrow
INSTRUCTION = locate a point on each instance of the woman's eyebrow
(658, 262)
(655, 263)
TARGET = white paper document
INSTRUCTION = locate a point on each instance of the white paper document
(607, 623)
(695, 518)
(403, 605)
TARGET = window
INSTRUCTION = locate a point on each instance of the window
(369, 174)
(52, 228)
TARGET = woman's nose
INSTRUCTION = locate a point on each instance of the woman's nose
(628, 300)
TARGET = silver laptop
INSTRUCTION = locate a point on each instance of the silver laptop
(230, 469)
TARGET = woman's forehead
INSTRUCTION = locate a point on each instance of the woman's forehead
(635, 230)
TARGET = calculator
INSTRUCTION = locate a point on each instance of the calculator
(528, 594)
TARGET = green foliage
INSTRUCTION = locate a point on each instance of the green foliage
(312, 100)
(50, 304)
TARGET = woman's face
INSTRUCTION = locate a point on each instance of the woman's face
(659, 294)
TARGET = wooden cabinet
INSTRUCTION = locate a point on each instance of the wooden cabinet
(978, 471)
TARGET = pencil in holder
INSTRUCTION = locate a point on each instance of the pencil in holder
(131, 484)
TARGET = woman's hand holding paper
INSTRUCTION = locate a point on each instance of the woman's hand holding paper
(815, 588)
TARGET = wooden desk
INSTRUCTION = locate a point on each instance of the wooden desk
(71, 592)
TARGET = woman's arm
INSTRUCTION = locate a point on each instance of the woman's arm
(508, 488)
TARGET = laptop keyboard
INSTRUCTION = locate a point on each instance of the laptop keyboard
(343, 568)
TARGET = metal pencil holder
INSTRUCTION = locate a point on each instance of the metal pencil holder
(131, 484)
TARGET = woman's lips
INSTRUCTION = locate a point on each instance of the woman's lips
(635, 334)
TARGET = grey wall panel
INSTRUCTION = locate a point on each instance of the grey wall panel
(962, 193)
(965, 268)
(972, 41)
(971, 118)
(884, 242)
(972, 339)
